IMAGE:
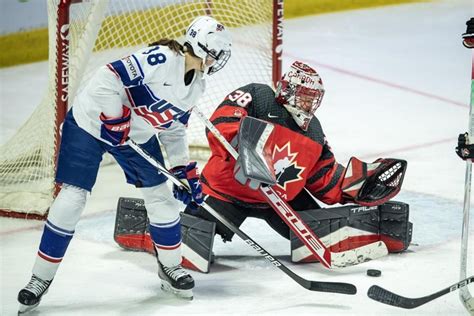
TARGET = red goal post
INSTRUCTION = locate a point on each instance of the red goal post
(85, 34)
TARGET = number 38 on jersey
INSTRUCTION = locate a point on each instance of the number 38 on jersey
(240, 98)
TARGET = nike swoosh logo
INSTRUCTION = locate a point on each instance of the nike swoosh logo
(272, 116)
(166, 84)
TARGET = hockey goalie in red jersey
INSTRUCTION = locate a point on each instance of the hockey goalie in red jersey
(304, 169)
(300, 152)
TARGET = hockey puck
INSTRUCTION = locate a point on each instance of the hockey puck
(374, 273)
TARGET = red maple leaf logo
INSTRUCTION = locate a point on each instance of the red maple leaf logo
(286, 166)
(282, 153)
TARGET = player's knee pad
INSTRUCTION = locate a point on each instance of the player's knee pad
(160, 203)
(68, 207)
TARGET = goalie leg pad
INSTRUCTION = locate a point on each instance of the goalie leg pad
(131, 225)
(131, 233)
(234, 213)
(198, 239)
(395, 229)
(352, 226)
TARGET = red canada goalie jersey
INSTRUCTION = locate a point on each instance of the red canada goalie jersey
(301, 159)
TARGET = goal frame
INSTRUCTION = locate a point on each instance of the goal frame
(62, 77)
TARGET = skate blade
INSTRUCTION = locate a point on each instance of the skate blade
(183, 294)
(26, 308)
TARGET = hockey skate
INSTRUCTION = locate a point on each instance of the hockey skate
(176, 280)
(30, 296)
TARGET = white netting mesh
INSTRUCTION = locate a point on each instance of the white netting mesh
(121, 27)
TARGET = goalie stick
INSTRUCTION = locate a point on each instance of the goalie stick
(318, 286)
(382, 295)
(298, 226)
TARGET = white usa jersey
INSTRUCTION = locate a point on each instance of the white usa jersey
(151, 83)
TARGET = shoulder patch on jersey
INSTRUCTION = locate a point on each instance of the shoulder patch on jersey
(133, 68)
(128, 70)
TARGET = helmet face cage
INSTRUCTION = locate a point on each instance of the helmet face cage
(301, 92)
(214, 61)
(211, 42)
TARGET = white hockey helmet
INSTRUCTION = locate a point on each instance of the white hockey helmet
(300, 91)
(210, 41)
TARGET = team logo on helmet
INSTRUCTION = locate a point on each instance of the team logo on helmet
(211, 42)
(286, 166)
(304, 67)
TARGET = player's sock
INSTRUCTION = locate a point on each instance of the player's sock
(53, 246)
(167, 240)
(54, 243)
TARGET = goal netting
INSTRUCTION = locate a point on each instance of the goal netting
(84, 34)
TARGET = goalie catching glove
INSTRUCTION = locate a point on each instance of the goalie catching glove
(190, 173)
(373, 183)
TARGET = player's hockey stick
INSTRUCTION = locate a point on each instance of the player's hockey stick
(319, 286)
(464, 294)
(298, 226)
(384, 296)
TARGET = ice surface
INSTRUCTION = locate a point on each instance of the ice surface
(397, 84)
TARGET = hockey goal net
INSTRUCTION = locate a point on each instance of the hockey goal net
(84, 34)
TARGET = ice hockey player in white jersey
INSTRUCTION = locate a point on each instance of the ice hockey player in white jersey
(147, 96)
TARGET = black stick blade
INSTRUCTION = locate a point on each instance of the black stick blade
(332, 287)
(386, 297)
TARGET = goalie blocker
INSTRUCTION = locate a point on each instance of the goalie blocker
(340, 229)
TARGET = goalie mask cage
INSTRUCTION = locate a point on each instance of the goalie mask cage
(85, 34)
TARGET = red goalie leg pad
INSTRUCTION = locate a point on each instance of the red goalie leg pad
(393, 245)
(143, 242)
(136, 242)
(353, 226)
(353, 242)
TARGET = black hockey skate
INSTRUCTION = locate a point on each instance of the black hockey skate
(30, 296)
(176, 280)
